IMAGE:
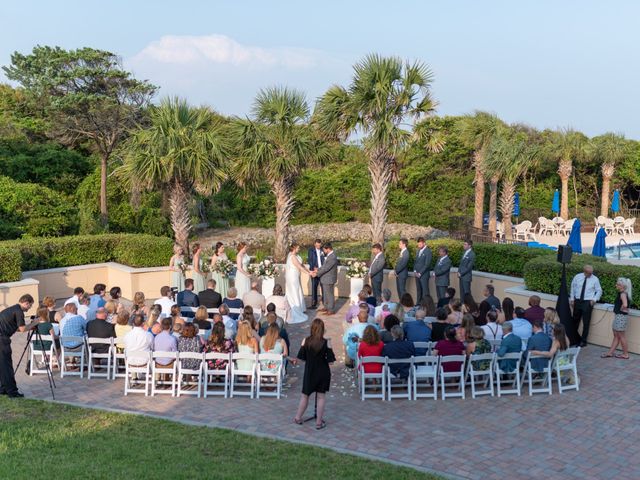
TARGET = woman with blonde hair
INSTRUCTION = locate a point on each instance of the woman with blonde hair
(139, 304)
(176, 316)
(176, 262)
(551, 319)
(50, 303)
(621, 312)
(122, 327)
(111, 307)
(272, 342)
(245, 343)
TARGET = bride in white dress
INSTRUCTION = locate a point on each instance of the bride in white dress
(243, 278)
(295, 297)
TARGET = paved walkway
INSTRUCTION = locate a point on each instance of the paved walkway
(590, 434)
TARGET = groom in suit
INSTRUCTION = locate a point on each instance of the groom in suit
(315, 258)
(467, 263)
(422, 270)
(376, 271)
(328, 275)
(402, 267)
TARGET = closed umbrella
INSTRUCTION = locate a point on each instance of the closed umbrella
(575, 240)
(615, 203)
(600, 246)
(555, 205)
(516, 206)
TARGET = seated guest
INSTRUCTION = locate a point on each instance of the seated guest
(245, 343)
(72, 325)
(483, 309)
(83, 309)
(511, 343)
(450, 345)
(44, 327)
(477, 346)
(551, 319)
(490, 298)
(450, 293)
(230, 325)
(189, 342)
(176, 316)
(371, 300)
(140, 305)
(255, 299)
(121, 328)
(507, 312)
(112, 311)
(271, 342)
(187, 297)
(464, 330)
(165, 301)
(50, 303)
(388, 323)
(177, 330)
(560, 342)
(219, 343)
(202, 318)
(97, 299)
(75, 298)
(232, 301)
(440, 325)
(535, 313)
(521, 327)
(386, 300)
(209, 297)
(165, 342)
(279, 304)
(354, 333)
(539, 342)
(116, 294)
(271, 319)
(354, 309)
(455, 312)
(470, 306)
(371, 346)
(406, 308)
(100, 328)
(138, 342)
(399, 348)
(271, 308)
(429, 308)
(492, 330)
(418, 331)
(156, 328)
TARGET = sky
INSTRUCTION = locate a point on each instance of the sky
(546, 63)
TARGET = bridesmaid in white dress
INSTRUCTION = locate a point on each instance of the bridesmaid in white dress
(294, 294)
(243, 278)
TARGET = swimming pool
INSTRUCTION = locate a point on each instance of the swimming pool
(612, 252)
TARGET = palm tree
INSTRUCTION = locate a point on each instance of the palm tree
(383, 94)
(182, 151)
(567, 146)
(493, 203)
(609, 149)
(476, 131)
(276, 145)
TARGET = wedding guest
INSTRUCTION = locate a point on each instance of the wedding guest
(272, 318)
(521, 327)
(140, 305)
(96, 300)
(371, 299)
(100, 328)
(441, 273)
(466, 325)
(492, 329)
(539, 341)
(177, 330)
(187, 297)
(75, 298)
(44, 327)
(72, 325)
(470, 306)
(232, 301)
(429, 308)
(111, 309)
(199, 277)
(355, 308)
(317, 354)
(386, 300)
(488, 293)
(189, 342)
(166, 301)
(83, 309)
(121, 328)
(353, 335)
(202, 318)
(535, 313)
(397, 349)
(371, 346)
(511, 343)
(449, 294)
(507, 312)
(376, 270)
(230, 324)
(621, 312)
(271, 308)
(315, 257)
(388, 323)
(254, 298)
(219, 343)
(279, 303)
(483, 309)
(551, 319)
(245, 343)
(155, 314)
(455, 313)
(560, 344)
(477, 345)
(418, 331)
(50, 303)
(271, 342)
(440, 325)
(209, 297)
(138, 343)
(176, 264)
(116, 294)
(406, 308)
(585, 292)
(176, 317)
(165, 342)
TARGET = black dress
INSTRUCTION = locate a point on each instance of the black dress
(317, 374)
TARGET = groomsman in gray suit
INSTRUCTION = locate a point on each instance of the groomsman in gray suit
(441, 272)
(376, 270)
(467, 264)
(328, 274)
(421, 269)
(402, 267)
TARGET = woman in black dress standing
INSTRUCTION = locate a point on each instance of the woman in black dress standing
(317, 354)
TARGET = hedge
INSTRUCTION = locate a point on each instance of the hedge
(133, 250)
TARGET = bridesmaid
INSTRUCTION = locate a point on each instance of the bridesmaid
(222, 281)
(243, 278)
(177, 276)
(199, 277)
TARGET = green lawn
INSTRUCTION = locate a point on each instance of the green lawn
(46, 440)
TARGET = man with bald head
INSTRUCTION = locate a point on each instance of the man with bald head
(585, 292)
(100, 328)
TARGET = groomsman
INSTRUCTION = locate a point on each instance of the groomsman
(315, 257)
(402, 267)
(441, 272)
(465, 269)
(421, 269)
(376, 270)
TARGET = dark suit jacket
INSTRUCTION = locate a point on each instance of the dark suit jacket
(376, 270)
(399, 349)
(312, 258)
(510, 344)
(466, 265)
(187, 298)
(100, 329)
(542, 342)
(422, 263)
(210, 298)
(402, 265)
(441, 271)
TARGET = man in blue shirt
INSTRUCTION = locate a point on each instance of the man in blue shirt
(417, 331)
(511, 343)
(354, 334)
(540, 342)
(521, 327)
(72, 325)
(96, 300)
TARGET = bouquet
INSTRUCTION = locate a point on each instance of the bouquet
(184, 268)
(225, 267)
(266, 269)
(206, 265)
(356, 269)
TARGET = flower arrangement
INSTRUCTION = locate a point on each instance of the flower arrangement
(184, 268)
(206, 265)
(357, 269)
(265, 269)
(225, 267)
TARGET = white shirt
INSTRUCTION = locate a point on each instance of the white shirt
(137, 344)
(73, 300)
(402, 251)
(442, 259)
(492, 331)
(593, 290)
(466, 252)
(83, 310)
(229, 326)
(256, 300)
(166, 303)
(319, 256)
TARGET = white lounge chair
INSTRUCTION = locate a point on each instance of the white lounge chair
(628, 226)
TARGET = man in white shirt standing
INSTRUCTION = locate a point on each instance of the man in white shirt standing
(165, 301)
(585, 292)
(75, 299)
(137, 343)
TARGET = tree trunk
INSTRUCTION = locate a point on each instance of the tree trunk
(180, 216)
(380, 170)
(493, 206)
(283, 191)
(564, 170)
(104, 217)
(478, 207)
(506, 206)
(607, 174)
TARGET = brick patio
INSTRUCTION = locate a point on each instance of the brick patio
(590, 434)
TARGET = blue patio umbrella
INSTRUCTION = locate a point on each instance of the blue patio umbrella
(575, 241)
(615, 203)
(600, 246)
(516, 205)
(555, 205)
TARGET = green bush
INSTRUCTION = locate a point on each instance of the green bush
(506, 259)
(143, 250)
(9, 264)
(543, 274)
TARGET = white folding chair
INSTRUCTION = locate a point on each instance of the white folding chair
(457, 374)
(533, 376)
(237, 374)
(212, 376)
(72, 353)
(397, 382)
(567, 361)
(485, 376)
(168, 370)
(36, 354)
(424, 374)
(137, 364)
(423, 345)
(108, 356)
(270, 366)
(377, 381)
(609, 226)
(184, 371)
(119, 363)
(509, 378)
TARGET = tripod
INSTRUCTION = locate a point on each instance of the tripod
(32, 332)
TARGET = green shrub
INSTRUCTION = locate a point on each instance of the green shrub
(9, 264)
(543, 274)
(143, 250)
(506, 259)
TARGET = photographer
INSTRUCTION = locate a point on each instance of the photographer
(11, 320)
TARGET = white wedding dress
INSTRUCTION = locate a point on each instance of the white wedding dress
(293, 289)
(243, 282)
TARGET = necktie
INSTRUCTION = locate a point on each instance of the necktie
(584, 287)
